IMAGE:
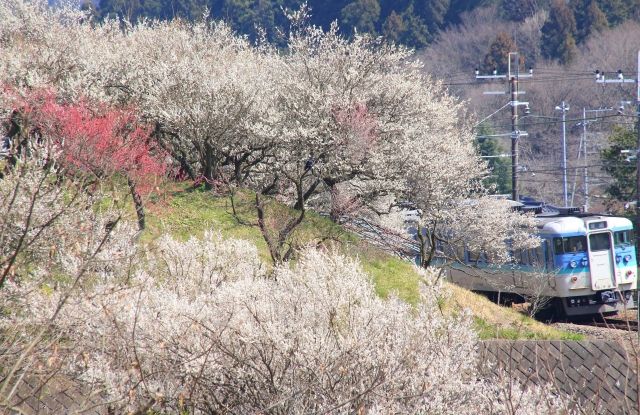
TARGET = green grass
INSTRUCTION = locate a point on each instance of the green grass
(189, 212)
(486, 331)
(393, 275)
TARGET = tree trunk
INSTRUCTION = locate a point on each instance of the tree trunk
(210, 165)
(306, 195)
(137, 202)
(186, 167)
(273, 249)
(427, 241)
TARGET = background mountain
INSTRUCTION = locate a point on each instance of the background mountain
(415, 23)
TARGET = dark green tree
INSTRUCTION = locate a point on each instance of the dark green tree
(323, 12)
(126, 9)
(499, 179)
(132, 10)
(413, 22)
(616, 164)
(416, 32)
(589, 18)
(558, 41)
(362, 15)
(432, 13)
(458, 7)
(519, 10)
(389, 6)
(634, 9)
(498, 55)
(617, 11)
(245, 16)
(393, 27)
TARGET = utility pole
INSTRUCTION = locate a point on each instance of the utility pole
(620, 79)
(586, 169)
(637, 227)
(564, 108)
(513, 75)
(513, 82)
(600, 78)
(585, 150)
(638, 157)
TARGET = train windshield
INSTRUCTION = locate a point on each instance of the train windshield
(624, 238)
(599, 242)
(570, 244)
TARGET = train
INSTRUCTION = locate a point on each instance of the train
(585, 265)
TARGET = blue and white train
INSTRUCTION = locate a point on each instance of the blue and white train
(586, 264)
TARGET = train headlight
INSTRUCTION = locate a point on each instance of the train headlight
(585, 262)
(629, 274)
(573, 264)
(627, 258)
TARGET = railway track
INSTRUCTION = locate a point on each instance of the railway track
(620, 324)
(616, 323)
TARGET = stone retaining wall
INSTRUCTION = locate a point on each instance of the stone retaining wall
(597, 374)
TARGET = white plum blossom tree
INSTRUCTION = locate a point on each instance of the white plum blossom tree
(211, 99)
(53, 239)
(223, 336)
(484, 226)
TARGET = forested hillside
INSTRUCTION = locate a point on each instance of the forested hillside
(416, 23)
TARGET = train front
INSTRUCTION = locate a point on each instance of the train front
(595, 261)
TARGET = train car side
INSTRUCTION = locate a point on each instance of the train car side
(587, 264)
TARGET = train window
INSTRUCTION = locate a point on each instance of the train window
(623, 238)
(474, 257)
(557, 246)
(599, 242)
(459, 253)
(493, 257)
(598, 225)
(570, 244)
(537, 257)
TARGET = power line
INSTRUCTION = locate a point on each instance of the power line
(553, 120)
(537, 80)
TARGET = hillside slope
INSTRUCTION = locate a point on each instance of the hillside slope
(185, 213)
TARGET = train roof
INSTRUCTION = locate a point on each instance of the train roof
(579, 224)
(567, 220)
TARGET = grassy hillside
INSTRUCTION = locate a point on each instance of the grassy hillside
(187, 212)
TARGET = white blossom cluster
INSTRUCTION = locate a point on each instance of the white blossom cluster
(59, 235)
(354, 126)
(49, 231)
(213, 333)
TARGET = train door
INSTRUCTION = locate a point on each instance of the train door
(549, 256)
(545, 261)
(601, 261)
(517, 273)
